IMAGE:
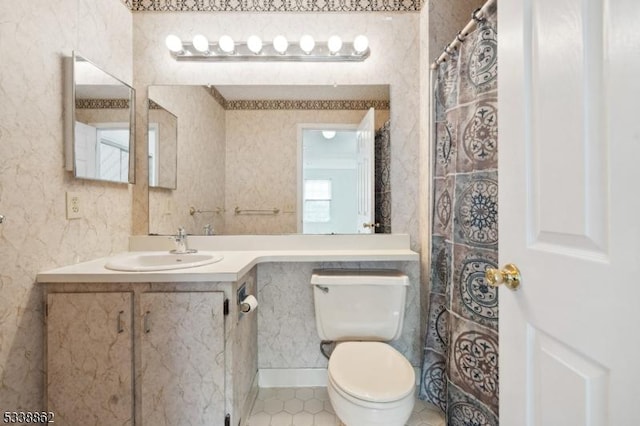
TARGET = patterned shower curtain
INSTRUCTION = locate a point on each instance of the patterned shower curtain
(382, 182)
(460, 366)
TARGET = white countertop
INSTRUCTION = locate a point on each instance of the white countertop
(235, 264)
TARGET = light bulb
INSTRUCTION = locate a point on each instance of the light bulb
(360, 44)
(226, 44)
(334, 44)
(280, 43)
(200, 43)
(174, 43)
(254, 44)
(307, 43)
(329, 134)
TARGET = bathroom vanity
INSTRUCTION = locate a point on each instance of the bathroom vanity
(172, 346)
(179, 352)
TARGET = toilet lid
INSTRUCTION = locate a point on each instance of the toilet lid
(371, 371)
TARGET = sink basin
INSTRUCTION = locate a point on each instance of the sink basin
(161, 261)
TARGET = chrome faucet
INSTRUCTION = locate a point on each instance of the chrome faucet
(181, 243)
(207, 229)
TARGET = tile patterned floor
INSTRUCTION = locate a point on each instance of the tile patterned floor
(311, 407)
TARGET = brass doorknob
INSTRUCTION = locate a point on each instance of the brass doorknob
(509, 276)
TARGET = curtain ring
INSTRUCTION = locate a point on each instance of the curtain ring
(448, 51)
(460, 37)
(475, 17)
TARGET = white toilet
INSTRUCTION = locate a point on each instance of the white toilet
(370, 383)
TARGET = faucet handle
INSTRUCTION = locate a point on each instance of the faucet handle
(181, 232)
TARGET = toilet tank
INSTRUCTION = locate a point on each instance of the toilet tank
(359, 304)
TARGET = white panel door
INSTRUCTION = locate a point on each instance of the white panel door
(365, 173)
(569, 206)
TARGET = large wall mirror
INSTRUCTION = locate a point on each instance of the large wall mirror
(99, 117)
(276, 160)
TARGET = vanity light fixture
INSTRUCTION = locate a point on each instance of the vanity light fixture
(334, 44)
(280, 44)
(254, 43)
(279, 49)
(200, 43)
(174, 44)
(360, 44)
(307, 43)
(226, 44)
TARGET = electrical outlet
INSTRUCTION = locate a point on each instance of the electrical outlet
(74, 207)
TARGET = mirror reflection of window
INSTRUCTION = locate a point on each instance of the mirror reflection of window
(153, 154)
(317, 201)
(112, 154)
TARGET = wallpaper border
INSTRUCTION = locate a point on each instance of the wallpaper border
(309, 105)
(102, 103)
(274, 5)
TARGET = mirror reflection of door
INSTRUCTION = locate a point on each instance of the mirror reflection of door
(337, 172)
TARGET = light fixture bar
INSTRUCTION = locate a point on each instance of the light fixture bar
(294, 53)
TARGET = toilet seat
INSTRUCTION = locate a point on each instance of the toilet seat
(371, 371)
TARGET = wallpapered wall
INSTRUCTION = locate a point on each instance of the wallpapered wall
(35, 235)
(201, 162)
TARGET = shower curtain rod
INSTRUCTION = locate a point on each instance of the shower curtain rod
(477, 16)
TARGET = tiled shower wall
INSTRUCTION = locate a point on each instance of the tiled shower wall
(35, 234)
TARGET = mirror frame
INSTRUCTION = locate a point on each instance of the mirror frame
(175, 177)
(69, 100)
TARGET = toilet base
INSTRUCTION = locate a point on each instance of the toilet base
(355, 412)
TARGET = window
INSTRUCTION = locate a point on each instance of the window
(317, 201)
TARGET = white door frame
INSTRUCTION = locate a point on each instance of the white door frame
(301, 128)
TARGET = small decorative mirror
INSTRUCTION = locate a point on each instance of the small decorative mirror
(99, 123)
(163, 146)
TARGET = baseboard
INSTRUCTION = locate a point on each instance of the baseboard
(292, 377)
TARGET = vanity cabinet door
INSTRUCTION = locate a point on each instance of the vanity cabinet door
(183, 363)
(90, 358)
